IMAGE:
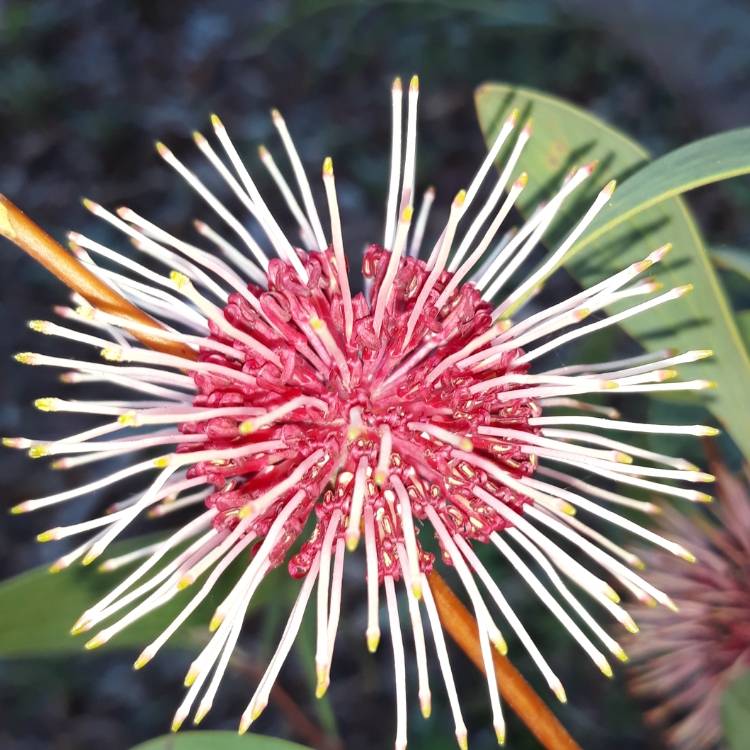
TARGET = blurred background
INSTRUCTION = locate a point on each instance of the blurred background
(88, 86)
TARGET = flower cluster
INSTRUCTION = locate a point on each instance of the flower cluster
(687, 659)
(413, 408)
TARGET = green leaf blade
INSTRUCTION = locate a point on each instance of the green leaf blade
(735, 712)
(644, 213)
(38, 608)
(217, 741)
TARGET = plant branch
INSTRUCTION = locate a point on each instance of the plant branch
(521, 697)
(455, 618)
(32, 239)
(307, 731)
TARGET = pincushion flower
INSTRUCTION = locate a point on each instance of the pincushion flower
(687, 659)
(414, 409)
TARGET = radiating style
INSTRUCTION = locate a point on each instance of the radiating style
(416, 410)
(686, 660)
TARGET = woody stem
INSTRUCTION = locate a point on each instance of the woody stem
(521, 697)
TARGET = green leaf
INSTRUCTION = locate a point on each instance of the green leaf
(38, 608)
(735, 259)
(735, 712)
(644, 213)
(743, 323)
(217, 741)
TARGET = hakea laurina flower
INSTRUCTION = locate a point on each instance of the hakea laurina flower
(414, 409)
(686, 659)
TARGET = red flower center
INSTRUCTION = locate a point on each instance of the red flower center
(383, 400)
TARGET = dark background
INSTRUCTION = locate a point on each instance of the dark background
(86, 87)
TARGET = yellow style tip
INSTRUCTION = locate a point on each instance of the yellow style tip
(18, 509)
(216, 621)
(257, 711)
(414, 83)
(606, 669)
(622, 656)
(373, 640)
(462, 740)
(179, 279)
(328, 167)
(89, 205)
(95, 642)
(40, 326)
(688, 556)
(199, 138)
(216, 121)
(352, 540)
(47, 403)
(560, 693)
(246, 427)
(425, 705)
(141, 661)
(611, 594)
(200, 714)
(89, 557)
(47, 536)
(191, 677)
(501, 646)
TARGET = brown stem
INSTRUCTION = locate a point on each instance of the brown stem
(455, 618)
(19, 229)
(307, 731)
(529, 707)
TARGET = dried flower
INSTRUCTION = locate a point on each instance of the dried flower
(686, 659)
(408, 410)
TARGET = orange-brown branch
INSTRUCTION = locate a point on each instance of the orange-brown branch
(529, 707)
(455, 618)
(22, 231)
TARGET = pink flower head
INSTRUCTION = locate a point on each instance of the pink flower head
(414, 409)
(685, 660)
